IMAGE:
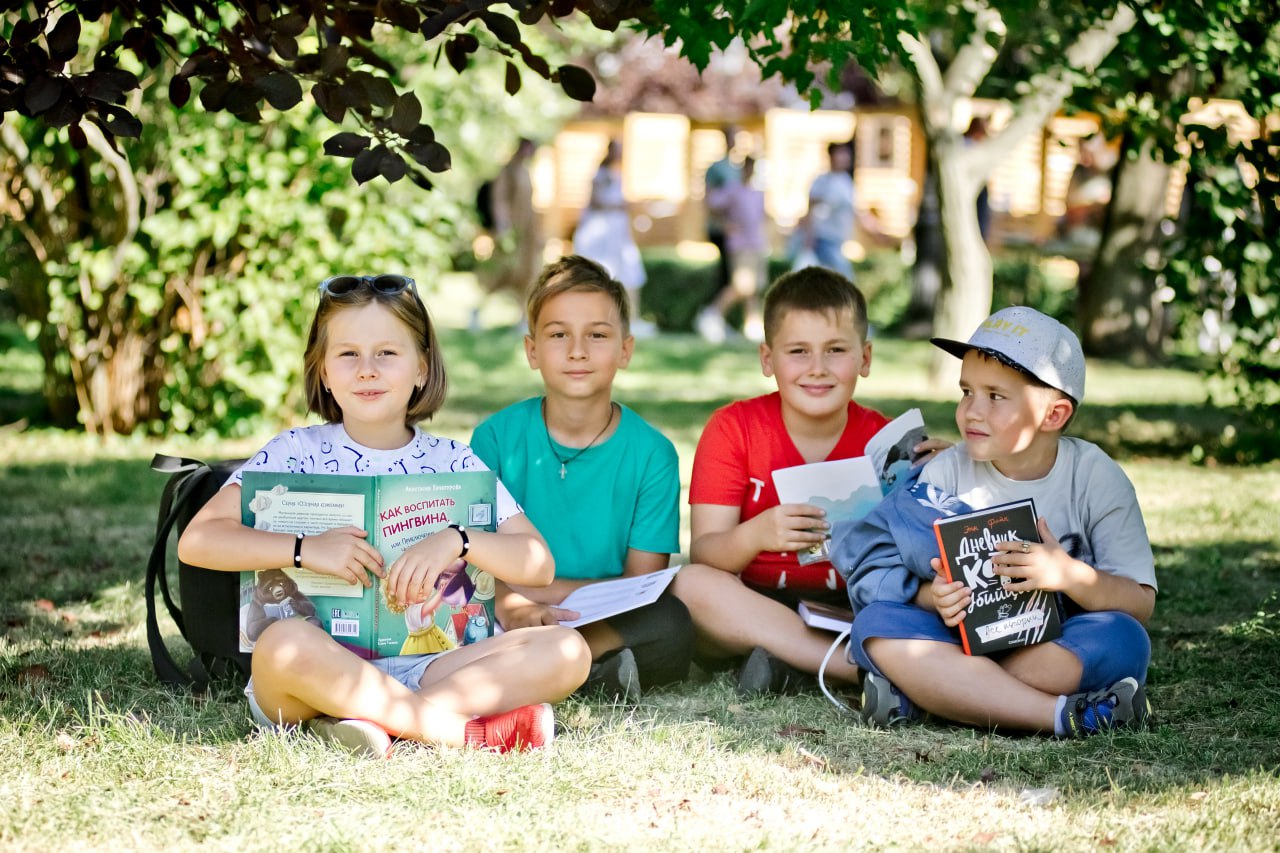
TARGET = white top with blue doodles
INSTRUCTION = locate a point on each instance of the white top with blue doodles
(327, 449)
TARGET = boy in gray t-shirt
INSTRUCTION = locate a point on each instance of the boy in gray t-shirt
(1021, 379)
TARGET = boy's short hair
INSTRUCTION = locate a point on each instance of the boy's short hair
(813, 289)
(1030, 342)
(574, 273)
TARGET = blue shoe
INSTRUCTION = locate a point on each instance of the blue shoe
(883, 705)
(1122, 705)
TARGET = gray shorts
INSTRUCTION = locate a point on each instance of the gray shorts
(406, 669)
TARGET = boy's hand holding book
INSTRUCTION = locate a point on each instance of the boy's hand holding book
(532, 614)
(791, 527)
(1025, 566)
(949, 599)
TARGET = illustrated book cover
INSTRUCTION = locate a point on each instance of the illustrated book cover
(848, 488)
(997, 619)
(397, 511)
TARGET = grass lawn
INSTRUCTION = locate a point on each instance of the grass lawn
(96, 755)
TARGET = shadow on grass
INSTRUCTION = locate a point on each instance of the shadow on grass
(1216, 636)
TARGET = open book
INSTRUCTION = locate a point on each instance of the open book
(397, 510)
(997, 619)
(603, 599)
(848, 488)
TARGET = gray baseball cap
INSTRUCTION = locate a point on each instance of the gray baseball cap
(1032, 342)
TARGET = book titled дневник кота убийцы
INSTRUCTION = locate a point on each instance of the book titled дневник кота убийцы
(997, 619)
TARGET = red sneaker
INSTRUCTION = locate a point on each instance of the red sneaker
(527, 727)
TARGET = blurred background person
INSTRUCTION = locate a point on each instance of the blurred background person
(747, 243)
(516, 231)
(721, 176)
(821, 233)
(604, 234)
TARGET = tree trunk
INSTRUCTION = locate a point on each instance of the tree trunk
(965, 300)
(928, 270)
(1119, 313)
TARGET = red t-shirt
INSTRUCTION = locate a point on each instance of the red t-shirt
(740, 448)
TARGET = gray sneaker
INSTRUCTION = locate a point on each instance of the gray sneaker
(616, 676)
(883, 705)
(763, 673)
(359, 737)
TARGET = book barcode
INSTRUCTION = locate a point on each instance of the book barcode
(345, 627)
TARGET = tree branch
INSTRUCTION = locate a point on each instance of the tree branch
(934, 107)
(975, 57)
(1050, 89)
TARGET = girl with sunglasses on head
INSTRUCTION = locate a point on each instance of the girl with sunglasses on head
(373, 370)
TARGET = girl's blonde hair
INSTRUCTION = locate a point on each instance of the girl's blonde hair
(408, 309)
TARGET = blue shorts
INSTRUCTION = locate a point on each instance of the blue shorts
(406, 669)
(1110, 645)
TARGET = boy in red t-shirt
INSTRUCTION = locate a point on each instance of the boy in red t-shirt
(744, 579)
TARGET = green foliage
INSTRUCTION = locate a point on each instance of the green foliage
(251, 60)
(796, 41)
(1224, 272)
(184, 307)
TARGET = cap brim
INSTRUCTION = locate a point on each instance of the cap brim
(956, 348)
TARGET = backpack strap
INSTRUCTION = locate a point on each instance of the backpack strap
(165, 666)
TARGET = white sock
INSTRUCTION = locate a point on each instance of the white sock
(1058, 728)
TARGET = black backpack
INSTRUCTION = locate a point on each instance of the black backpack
(209, 616)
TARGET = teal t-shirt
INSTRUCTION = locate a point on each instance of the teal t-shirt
(622, 493)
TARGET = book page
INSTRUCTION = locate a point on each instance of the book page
(846, 489)
(310, 513)
(603, 599)
(890, 448)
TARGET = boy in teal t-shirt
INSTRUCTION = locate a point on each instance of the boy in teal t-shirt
(599, 483)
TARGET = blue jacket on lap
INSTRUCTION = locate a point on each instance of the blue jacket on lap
(884, 556)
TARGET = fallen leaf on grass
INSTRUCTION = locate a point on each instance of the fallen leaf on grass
(36, 673)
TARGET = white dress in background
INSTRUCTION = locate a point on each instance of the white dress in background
(604, 231)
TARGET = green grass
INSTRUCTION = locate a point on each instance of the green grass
(97, 755)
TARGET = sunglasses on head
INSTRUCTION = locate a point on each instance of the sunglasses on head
(387, 284)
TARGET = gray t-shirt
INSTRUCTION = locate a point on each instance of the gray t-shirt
(1089, 502)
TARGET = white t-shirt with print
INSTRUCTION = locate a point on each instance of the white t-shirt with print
(1090, 504)
(327, 449)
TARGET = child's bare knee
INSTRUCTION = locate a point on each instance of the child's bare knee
(696, 584)
(284, 644)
